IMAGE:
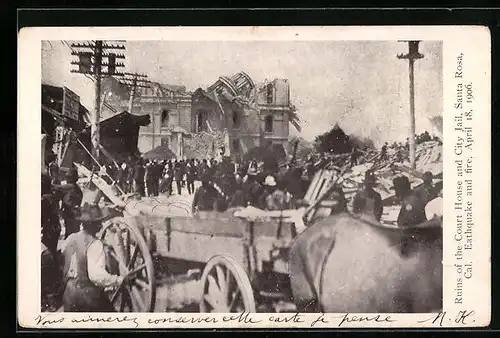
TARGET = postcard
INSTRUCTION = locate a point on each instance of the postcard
(254, 177)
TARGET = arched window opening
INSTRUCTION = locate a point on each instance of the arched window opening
(269, 123)
(165, 118)
(270, 92)
(201, 121)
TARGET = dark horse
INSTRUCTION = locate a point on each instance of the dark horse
(346, 264)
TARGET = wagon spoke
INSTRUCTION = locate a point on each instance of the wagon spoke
(128, 251)
(212, 285)
(236, 295)
(128, 298)
(127, 246)
(221, 279)
(226, 287)
(121, 247)
(137, 269)
(208, 299)
(136, 295)
(229, 277)
(122, 303)
(115, 294)
(141, 283)
(134, 256)
(120, 262)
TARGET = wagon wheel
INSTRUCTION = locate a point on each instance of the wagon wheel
(127, 254)
(226, 287)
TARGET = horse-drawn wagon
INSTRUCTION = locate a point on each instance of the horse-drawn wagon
(243, 253)
(243, 260)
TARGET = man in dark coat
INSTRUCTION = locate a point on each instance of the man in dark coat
(71, 196)
(129, 183)
(122, 175)
(311, 170)
(150, 176)
(169, 177)
(383, 152)
(53, 168)
(138, 182)
(355, 154)
(183, 172)
(367, 200)
(252, 188)
(205, 198)
(178, 173)
(412, 208)
(203, 169)
(51, 228)
(50, 280)
(191, 176)
(158, 167)
(426, 192)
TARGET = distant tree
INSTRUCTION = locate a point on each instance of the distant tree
(334, 141)
(360, 142)
(424, 137)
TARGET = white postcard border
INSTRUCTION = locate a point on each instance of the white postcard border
(472, 41)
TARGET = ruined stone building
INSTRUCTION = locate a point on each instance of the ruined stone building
(168, 106)
(252, 116)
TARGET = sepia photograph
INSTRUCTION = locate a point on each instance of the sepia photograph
(251, 176)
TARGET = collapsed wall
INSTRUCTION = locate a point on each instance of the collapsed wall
(203, 145)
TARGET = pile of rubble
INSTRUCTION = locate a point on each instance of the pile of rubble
(428, 158)
(203, 144)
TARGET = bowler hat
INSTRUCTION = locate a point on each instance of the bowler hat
(92, 213)
(270, 181)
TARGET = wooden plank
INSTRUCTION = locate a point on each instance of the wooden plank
(108, 190)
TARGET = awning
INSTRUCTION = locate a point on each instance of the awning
(162, 152)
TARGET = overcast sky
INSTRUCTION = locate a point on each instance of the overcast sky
(362, 85)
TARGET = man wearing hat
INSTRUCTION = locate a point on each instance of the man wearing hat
(85, 266)
(251, 187)
(367, 201)
(412, 208)
(273, 197)
(426, 192)
(71, 196)
(205, 197)
(191, 176)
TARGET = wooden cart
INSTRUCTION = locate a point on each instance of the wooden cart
(244, 261)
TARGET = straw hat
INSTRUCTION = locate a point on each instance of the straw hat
(270, 181)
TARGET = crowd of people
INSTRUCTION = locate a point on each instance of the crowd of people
(224, 184)
(417, 205)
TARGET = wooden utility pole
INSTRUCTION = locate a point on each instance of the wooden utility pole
(134, 81)
(412, 55)
(91, 63)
